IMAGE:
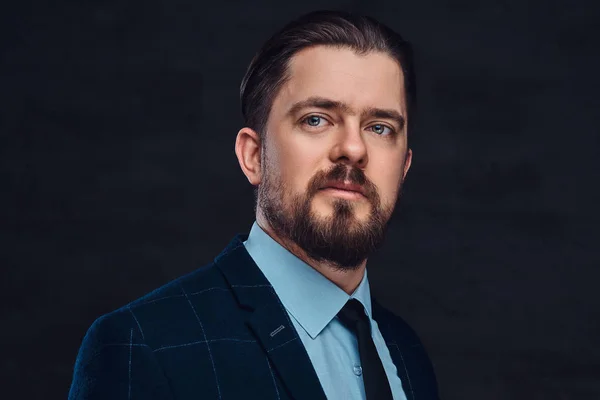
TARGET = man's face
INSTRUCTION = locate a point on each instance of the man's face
(310, 147)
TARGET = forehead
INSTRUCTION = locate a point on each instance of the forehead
(371, 80)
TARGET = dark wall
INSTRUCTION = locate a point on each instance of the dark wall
(118, 121)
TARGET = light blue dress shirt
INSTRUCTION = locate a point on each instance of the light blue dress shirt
(312, 302)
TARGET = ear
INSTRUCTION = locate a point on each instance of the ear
(407, 163)
(247, 150)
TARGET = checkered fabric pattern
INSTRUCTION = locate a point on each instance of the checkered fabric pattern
(220, 332)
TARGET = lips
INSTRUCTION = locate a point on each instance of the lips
(345, 186)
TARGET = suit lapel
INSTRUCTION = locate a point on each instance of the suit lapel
(269, 321)
(382, 317)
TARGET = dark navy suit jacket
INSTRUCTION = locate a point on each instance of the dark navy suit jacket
(221, 332)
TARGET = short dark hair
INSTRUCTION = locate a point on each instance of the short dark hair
(269, 69)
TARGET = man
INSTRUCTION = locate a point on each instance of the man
(285, 312)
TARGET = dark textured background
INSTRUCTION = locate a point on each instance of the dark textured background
(118, 122)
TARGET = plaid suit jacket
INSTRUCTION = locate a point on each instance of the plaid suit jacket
(220, 332)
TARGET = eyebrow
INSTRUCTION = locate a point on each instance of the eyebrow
(328, 104)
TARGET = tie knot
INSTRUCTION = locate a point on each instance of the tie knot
(352, 313)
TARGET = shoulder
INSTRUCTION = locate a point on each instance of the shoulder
(162, 309)
(406, 349)
(393, 325)
(203, 278)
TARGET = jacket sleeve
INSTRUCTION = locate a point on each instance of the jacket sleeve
(114, 363)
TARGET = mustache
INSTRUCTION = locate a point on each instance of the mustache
(340, 173)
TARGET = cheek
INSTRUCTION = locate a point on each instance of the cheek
(389, 185)
(290, 179)
(298, 169)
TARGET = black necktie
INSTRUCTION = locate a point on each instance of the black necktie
(376, 383)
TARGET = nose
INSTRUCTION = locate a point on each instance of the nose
(350, 147)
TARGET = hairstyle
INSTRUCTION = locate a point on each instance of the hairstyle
(269, 69)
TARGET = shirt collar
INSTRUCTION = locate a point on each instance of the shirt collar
(311, 298)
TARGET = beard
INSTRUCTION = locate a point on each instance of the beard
(339, 239)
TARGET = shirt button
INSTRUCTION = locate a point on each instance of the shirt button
(357, 370)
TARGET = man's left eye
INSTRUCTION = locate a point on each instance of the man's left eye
(377, 128)
(313, 118)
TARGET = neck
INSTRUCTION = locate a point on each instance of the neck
(347, 280)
